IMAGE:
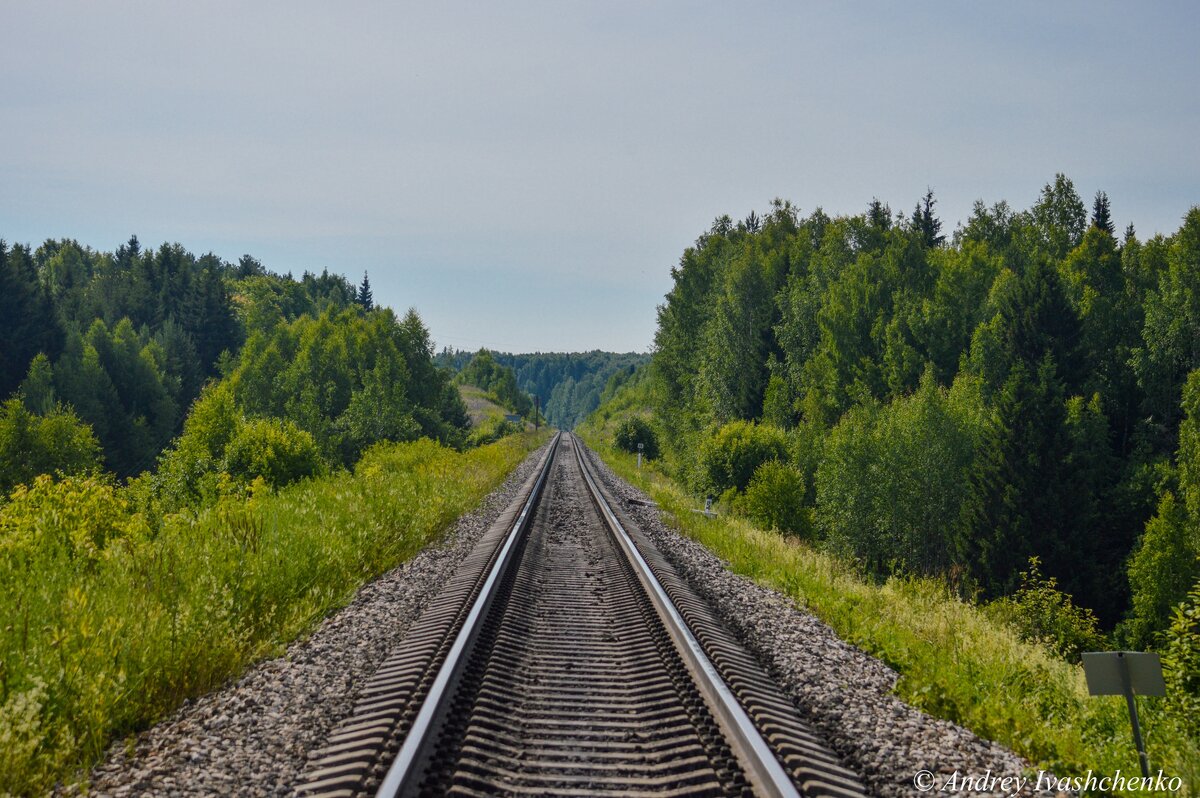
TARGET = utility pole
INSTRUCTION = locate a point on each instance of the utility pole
(537, 410)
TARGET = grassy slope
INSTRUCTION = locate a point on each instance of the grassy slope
(955, 662)
(92, 648)
(481, 409)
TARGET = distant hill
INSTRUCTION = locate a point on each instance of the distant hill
(567, 384)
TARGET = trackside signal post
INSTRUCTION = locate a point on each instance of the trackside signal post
(1126, 673)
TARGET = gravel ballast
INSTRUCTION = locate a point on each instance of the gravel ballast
(252, 737)
(844, 693)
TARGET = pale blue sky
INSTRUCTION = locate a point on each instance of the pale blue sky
(526, 174)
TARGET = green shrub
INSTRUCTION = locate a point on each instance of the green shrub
(1162, 567)
(729, 458)
(774, 499)
(1043, 614)
(75, 517)
(188, 473)
(893, 480)
(635, 430)
(491, 430)
(1165, 564)
(1181, 661)
(274, 449)
(376, 413)
(31, 444)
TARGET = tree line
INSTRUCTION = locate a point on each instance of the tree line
(139, 359)
(1025, 387)
(567, 384)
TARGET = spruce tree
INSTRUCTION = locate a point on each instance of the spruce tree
(216, 328)
(1033, 317)
(364, 296)
(879, 215)
(28, 323)
(248, 266)
(1101, 214)
(1023, 498)
(925, 223)
(1019, 499)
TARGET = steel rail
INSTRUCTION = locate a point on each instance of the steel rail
(405, 767)
(766, 774)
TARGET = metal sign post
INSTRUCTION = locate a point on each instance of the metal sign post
(1126, 673)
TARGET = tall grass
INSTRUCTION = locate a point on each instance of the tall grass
(105, 626)
(956, 660)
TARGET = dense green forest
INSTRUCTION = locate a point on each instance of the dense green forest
(568, 385)
(104, 355)
(954, 405)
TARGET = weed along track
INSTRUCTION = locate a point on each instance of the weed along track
(567, 657)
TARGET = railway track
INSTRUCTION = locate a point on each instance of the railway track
(567, 657)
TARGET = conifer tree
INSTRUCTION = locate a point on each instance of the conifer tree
(249, 266)
(28, 324)
(37, 390)
(1019, 502)
(1101, 214)
(879, 215)
(364, 296)
(215, 327)
(925, 223)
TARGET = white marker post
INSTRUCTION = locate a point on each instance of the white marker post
(1126, 673)
(641, 446)
(707, 512)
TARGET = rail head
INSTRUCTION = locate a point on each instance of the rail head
(767, 775)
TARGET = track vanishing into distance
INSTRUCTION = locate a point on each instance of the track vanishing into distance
(566, 657)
